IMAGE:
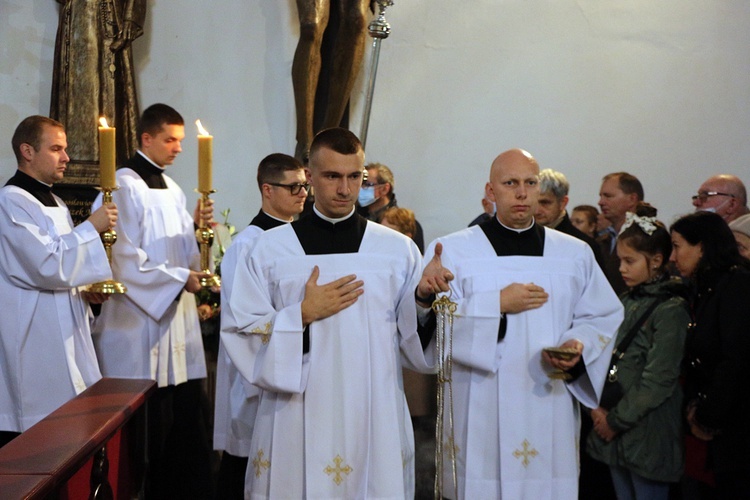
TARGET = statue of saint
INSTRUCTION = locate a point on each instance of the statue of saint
(94, 76)
(348, 53)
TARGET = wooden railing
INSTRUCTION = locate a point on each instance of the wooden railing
(39, 462)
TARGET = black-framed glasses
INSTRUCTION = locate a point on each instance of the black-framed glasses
(294, 189)
(708, 194)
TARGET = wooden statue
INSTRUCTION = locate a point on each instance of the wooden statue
(94, 74)
(348, 53)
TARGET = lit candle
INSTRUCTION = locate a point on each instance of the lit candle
(106, 155)
(205, 159)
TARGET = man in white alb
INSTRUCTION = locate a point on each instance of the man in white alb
(152, 331)
(46, 353)
(283, 189)
(521, 288)
(332, 420)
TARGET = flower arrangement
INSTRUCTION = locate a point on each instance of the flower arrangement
(209, 299)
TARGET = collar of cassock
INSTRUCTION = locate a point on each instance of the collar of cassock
(331, 219)
(510, 241)
(38, 189)
(319, 234)
(150, 172)
(266, 222)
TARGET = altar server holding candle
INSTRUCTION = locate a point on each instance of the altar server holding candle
(153, 331)
(46, 353)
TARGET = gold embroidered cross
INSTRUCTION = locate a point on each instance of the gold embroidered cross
(526, 453)
(265, 332)
(603, 341)
(337, 470)
(179, 348)
(80, 385)
(260, 464)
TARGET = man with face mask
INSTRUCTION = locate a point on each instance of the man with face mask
(377, 195)
(723, 194)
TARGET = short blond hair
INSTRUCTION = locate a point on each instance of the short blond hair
(402, 218)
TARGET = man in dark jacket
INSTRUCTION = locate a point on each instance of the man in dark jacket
(620, 193)
(551, 213)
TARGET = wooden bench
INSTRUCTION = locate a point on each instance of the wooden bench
(39, 462)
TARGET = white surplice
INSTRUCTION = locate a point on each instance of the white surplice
(332, 423)
(146, 332)
(46, 350)
(236, 399)
(516, 430)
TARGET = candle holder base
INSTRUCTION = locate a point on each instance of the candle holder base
(210, 281)
(108, 287)
(109, 238)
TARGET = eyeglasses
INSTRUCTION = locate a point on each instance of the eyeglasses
(708, 194)
(368, 184)
(294, 189)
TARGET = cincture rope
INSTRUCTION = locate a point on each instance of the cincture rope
(445, 311)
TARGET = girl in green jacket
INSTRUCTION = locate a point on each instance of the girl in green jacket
(640, 437)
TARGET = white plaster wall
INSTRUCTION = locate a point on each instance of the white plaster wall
(659, 89)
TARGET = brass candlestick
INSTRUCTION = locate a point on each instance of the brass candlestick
(205, 237)
(109, 237)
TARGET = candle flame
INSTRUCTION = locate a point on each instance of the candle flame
(103, 122)
(201, 130)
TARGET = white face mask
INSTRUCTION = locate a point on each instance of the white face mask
(713, 210)
(366, 196)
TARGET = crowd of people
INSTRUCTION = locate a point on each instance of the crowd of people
(595, 354)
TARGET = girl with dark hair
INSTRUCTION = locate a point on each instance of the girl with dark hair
(716, 351)
(640, 435)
